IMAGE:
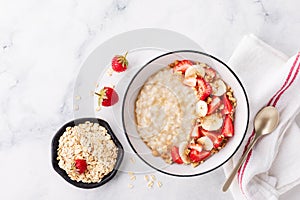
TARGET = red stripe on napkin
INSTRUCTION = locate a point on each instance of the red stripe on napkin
(281, 90)
(286, 80)
(278, 94)
(278, 97)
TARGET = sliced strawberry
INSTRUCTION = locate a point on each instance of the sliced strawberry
(227, 105)
(214, 105)
(182, 152)
(214, 136)
(197, 156)
(228, 129)
(197, 147)
(182, 65)
(175, 155)
(195, 132)
(190, 81)
(210, 72)
(204, 89)
(218, 142)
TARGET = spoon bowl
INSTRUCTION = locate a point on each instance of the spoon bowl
(266, 120)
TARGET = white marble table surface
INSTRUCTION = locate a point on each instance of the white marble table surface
(42, 46)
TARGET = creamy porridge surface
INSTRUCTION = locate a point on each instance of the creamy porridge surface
(165, 112)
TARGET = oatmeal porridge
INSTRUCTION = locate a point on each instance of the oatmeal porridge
(165, 111)
(185, 112)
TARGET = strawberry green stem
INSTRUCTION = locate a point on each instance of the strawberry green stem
(125, 54)
(97, 94)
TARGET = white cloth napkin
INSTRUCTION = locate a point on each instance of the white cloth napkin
(274, 165)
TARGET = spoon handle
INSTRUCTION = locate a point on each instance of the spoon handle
(237, 167)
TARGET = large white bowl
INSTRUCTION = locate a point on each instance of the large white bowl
(140, 148)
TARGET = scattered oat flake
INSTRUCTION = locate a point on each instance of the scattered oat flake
(78, 97)
(130, 186)
(159, 184)
(132, 160)
(76, 107)
(146, 178)
(130, 173)
(92, 93)
(109, 72)
(153, 177)
(97, 85)
(132, 178)
(150, 184)
(98, 108)
(112, 85)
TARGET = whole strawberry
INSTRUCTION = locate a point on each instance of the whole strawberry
(119, 63)
(107, 97)
(80, 165)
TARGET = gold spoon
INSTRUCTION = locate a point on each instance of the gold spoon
(266, 120)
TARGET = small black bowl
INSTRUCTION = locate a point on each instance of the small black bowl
(62, 173)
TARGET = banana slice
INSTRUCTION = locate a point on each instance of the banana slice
(212, 122)
(190, 81)
(218, 87)
(194, 70)
(206, 143)
(181, 150)
(201, 108)
(195, 132)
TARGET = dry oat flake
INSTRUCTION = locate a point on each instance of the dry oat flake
(91, 142)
